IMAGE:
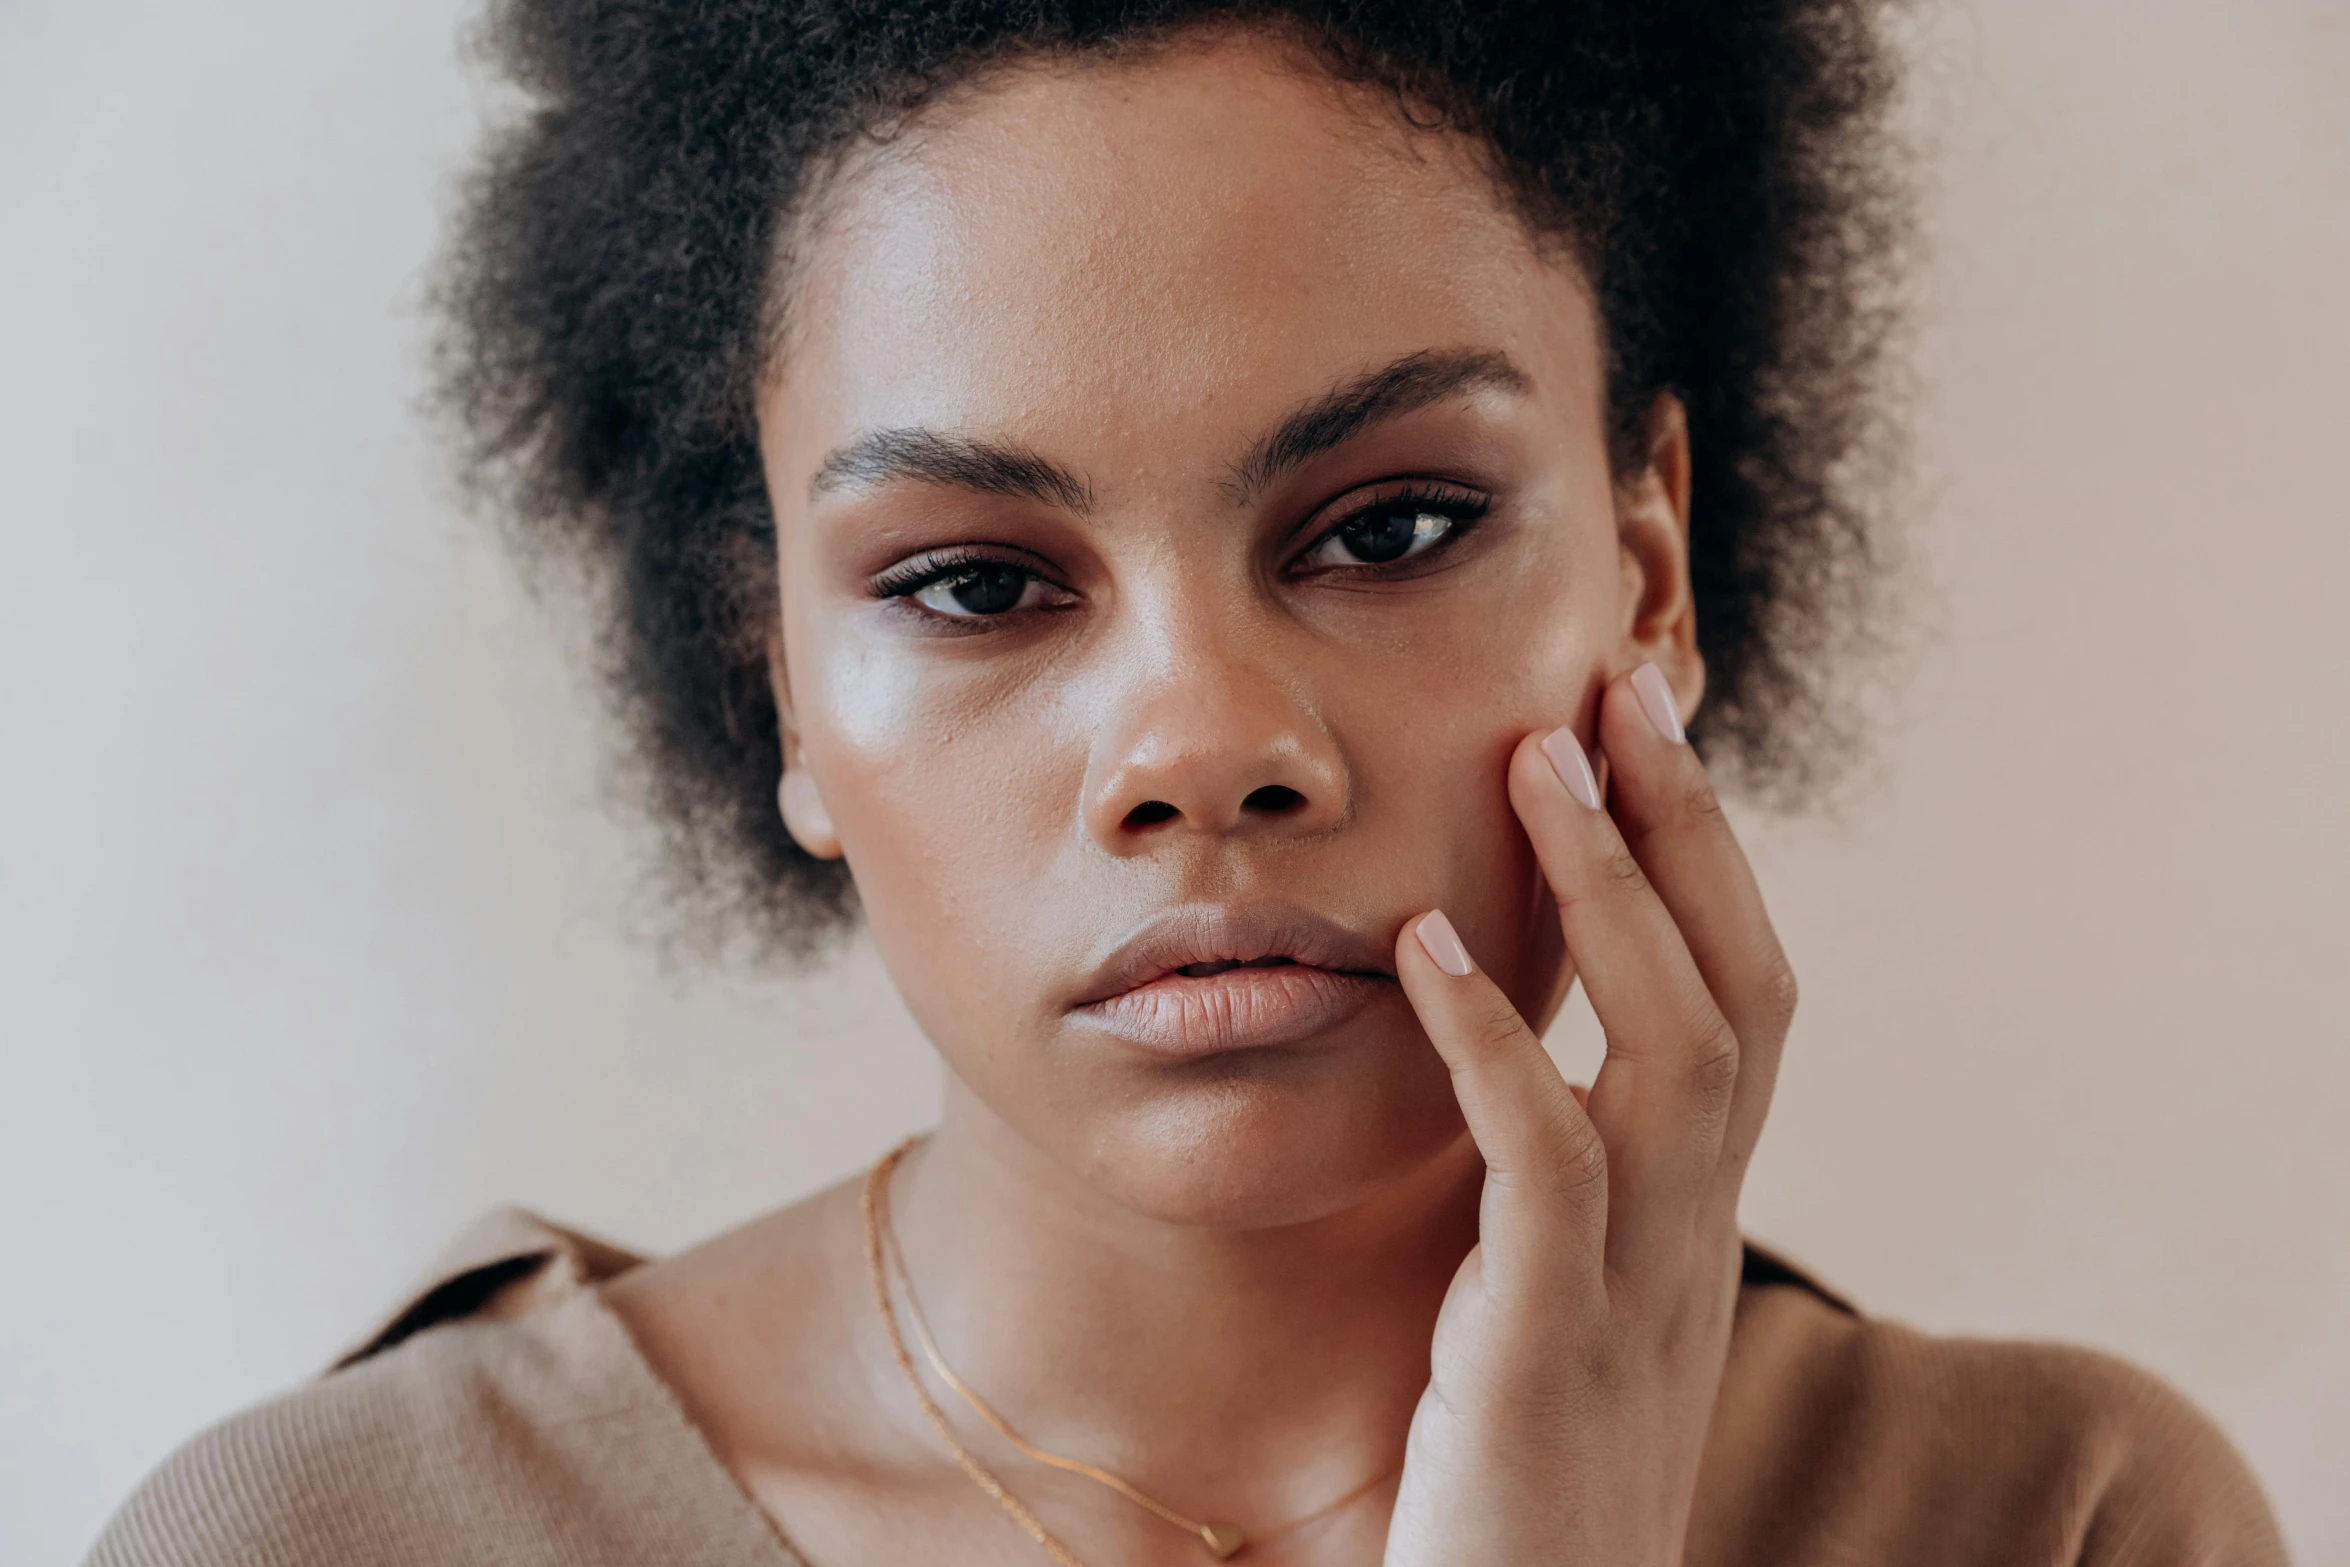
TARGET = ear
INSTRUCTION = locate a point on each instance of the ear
(804, 815)
(1652, 535)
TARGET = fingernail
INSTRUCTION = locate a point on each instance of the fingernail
(1573, 767)
(1443, 943)
(1656, 701)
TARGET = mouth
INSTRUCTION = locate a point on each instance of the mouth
(1202, 979)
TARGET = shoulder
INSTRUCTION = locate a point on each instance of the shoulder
(1845, 1438)
(500, 1415)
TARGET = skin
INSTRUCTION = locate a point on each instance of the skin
(1241, 1277)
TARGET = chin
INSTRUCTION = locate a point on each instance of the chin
(1262, 1139)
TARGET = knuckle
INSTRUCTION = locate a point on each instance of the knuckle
(1582, 1164)
(1496, 1029)
(1621, 872)
(1538, 1396)
(1779, 992)
(1593, 1365)
(1616, 876)
(1713, 1065)
(1699, 801)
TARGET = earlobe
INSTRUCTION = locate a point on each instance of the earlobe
(804, 815)
(796, 797)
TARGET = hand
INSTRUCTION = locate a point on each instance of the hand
(1580, 1347)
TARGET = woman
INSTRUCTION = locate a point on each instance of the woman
(1227, 519)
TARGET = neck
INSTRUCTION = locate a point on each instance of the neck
(1258, 1373)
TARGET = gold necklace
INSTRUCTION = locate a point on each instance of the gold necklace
(1221, 1539)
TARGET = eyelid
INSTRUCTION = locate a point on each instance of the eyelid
(1464, 503)
(918, 571)
(896, 589)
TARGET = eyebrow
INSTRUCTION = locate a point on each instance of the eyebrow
(931, 457)
(1402, 386)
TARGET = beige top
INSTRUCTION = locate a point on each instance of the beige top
(505, 1416)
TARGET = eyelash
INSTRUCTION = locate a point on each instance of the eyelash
(911, 576)
(1462, 508)
(902, 584)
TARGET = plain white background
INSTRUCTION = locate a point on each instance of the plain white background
(318, 934)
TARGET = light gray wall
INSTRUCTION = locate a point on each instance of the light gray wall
(315, 933)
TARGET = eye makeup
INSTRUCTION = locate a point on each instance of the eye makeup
(1392, 530)
(1419, 519)
(969, 584)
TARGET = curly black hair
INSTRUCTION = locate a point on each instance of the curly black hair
(1724, 169)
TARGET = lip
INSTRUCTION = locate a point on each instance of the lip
(1300, 974)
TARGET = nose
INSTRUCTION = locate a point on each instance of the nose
(1205, 741)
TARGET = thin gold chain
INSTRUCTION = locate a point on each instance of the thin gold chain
(876, 1222)
(881, 1248)
(1222, 1540)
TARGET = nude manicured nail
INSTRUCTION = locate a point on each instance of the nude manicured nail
(1656, 701)
(1443, 943)
(1573, 767)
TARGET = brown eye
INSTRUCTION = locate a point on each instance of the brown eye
(979, 589)
(1381, 535)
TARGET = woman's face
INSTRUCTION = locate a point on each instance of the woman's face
(1191, 482)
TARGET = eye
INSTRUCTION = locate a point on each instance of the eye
(972, 588)
(1396, 528)
(983, 588)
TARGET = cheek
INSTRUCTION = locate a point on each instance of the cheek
(953, 797)
(1429, 734)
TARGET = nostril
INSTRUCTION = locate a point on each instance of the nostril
(1273, 800)
(1150, 813)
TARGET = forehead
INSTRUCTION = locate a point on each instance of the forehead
(1135, 250)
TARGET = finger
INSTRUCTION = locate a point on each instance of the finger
(1665, 806)
(1546, 1173)
(1663, 1094)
